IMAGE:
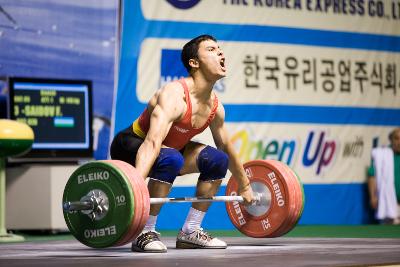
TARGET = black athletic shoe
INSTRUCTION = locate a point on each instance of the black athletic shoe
(149, 242)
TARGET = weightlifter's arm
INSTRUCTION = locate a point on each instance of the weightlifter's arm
(372, 190)
(168, 107)
(221, 139)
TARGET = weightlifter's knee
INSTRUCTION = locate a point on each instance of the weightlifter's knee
(167, 165)
(212, 164)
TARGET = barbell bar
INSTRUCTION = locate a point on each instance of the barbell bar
(90, 205)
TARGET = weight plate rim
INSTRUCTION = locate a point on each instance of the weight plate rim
(142, 189)
(121, 165)
(285, 170)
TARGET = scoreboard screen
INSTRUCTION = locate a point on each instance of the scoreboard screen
(58, 111)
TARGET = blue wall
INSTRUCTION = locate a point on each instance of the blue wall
(322, 203)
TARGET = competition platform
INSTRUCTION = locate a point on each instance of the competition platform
(370, 245)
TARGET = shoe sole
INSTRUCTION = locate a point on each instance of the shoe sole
(187, 245)
(138, 249)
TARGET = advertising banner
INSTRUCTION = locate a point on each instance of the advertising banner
(315, 84)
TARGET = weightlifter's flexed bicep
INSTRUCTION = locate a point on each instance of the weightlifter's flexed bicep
(166, 106)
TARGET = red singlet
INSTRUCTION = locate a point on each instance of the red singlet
(182, 131)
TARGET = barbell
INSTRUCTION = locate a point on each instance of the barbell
(106, 203)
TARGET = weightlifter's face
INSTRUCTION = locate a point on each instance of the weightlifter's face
(211, 58)
(395, 141)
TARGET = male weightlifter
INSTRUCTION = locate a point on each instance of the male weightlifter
(159, 145)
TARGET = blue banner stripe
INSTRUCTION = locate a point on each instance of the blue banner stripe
(312, 114)
(275, 34)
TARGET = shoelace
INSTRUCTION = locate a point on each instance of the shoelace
(203, 235)
(147, 237)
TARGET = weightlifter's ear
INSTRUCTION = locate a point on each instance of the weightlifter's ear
(194, 63)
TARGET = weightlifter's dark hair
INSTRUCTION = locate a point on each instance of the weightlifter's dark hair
(190, 49)
(392, 133)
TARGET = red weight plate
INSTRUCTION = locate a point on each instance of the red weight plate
(291, 200)
(294, 192)
(262, 172)
(123, 167)
(134, 177)
(145, 200)
(146, 211)
(136, 199)
(146, 206)
(300, 199)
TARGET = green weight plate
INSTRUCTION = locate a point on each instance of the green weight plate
(107, 231)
